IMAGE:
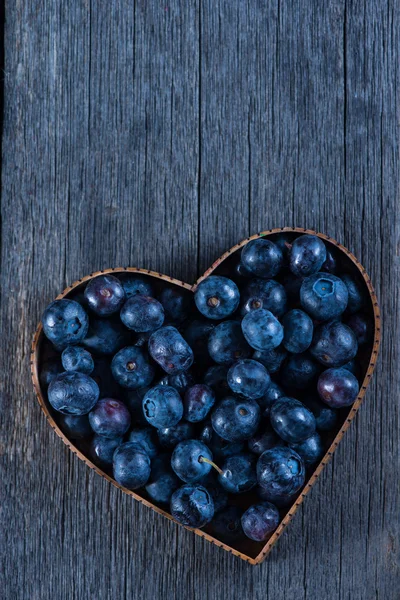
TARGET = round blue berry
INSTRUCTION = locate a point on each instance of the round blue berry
(217, 297)
(262, 330)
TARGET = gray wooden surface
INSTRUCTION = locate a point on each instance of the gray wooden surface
(157, 134)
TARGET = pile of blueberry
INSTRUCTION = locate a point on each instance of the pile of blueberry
(215, 405)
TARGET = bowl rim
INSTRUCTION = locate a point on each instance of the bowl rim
(34, 366)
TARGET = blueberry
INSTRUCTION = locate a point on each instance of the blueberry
(181, 382)
(169, 437)
(352, 366)
(260, 520)
(198, 401)
(334, 344)
(49, 371)
(323, 296)
(300, 371)
(330, 264)
(281, 473)
(356, 293)
(338, 387)
(176, 304)
(104, 295)
(292, 421)
(216, 491)
(102, 450)
(297, 331)
(238, 473)
(134, 401)
(262, 258)
(222, 448)
(307, 255)
(262, 330)
(262, 293)
(162, 406)
(168, 348)
(325, 417)
(227, 526)
(191, 460)
(135, 284)
(131, 368)
(277, 498)
(362, 327)
(131, 466)
(142, 314)
(147, 438)
(206, 433)
(192, 505)
(163, 482)
(73, 393)
(271, 359)
(105, 336)
(240, 272)
(235, 420)
(248, 378)
(283, 241)
(217, 297)
(76, 427)
(311, 450)
(65, 323)
(110, 418)
(75, 358)
(263, 440)
(226, 343)
(196, 335)
(215, 378)
(272, 394)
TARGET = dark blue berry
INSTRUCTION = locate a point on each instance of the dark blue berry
(338, 387)
(196, 335)
(222, 448)
(104, 295)
(357, 299)
(110, 418)
(311, 450)
(362, 327)
(103, 376)
(65, 323)
(272, 394)
(169, 437)
(262, 293)
(278, 499)
(281, 473)
(163, 482)
(292, 285)
(215, 378)
(76, 427)
(49, 371)
(168, 348)
(325, 417)
(297, 331)
(271, 359)
(323, 296)
(263, 440)
(300, 371)
(131, 368)
(102, 450)
(248, 378)
(217, 297)
(227, 526)
(262, 330)
(198, 401)
(192, 505)
(147, 438)
(262, 258)
(105, 336)
(238, 473)
(73, 393)
(235, 420)
(190, 460)
(134, 401)
(131, 466)
(226, 343)
(260, 520)
(181, 382)
(307, 255)
(75, 358)
(206, 433)
(142, 314)
(330, 264)
(176, 304)
(334, 344)
(136, 284)
(162, 406)
(292, 421)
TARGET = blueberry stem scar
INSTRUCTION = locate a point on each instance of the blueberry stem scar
(210, 462)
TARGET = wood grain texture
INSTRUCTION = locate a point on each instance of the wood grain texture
(157, 134)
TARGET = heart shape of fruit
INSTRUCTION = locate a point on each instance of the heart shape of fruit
(294, 346)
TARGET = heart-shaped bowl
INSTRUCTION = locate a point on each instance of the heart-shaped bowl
(253, 552)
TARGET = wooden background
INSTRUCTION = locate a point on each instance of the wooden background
(158, 134)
